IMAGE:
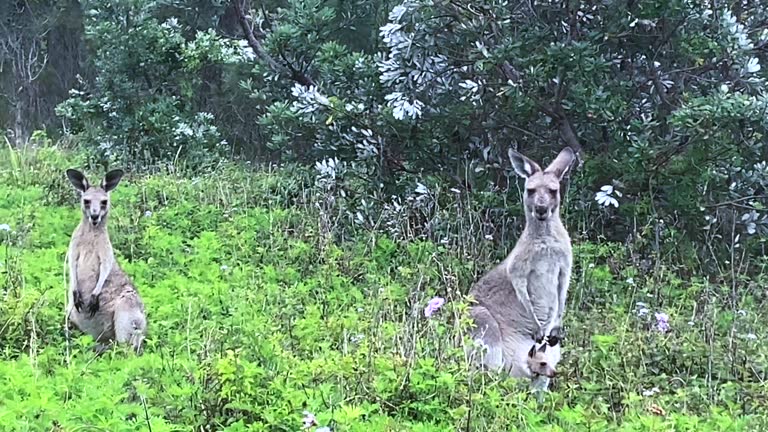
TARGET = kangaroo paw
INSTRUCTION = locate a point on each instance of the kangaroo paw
(555, 336)
(93, 305)
(77, 298)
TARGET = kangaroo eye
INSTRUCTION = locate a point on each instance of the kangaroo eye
(530, 191)
(87, 202)
(104, 203)
(543, 364)
(553, 191)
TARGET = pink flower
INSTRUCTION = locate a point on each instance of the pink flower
(433, 306)
(662, 322)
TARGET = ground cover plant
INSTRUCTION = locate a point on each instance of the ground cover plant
(261, 318)
(314, 185)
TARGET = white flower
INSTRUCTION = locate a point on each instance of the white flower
(327, 167)
(308, 99)
(641, 309)
(651, 392)
(421, 189)
(753, 65)
(605, 198)
(147, 213)
(402, 107)
(751, 336)
(398, 11)
(224, 267)
(183, 129)
(245, 50)
(5, 227)
(171, 23)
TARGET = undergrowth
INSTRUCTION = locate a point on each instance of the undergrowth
(259, 310)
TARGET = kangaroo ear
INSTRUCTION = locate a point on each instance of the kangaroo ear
(78, 180)
(111, 180)
(523, 166)
(543, 348)
(562, 163)
(532, 352)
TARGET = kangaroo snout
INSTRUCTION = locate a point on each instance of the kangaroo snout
(542, 212)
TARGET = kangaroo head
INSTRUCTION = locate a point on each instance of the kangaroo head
(94, 200)
(542, 188)
(539, 363)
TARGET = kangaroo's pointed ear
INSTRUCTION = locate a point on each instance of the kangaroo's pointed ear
(532, 352)
(78, 180)
(523, 166)
(562, 163)
(111, 179)
(543, 348)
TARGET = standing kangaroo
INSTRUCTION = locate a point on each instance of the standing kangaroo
(520, 302)
(102, 300)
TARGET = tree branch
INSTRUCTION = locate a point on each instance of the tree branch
(558, 115)
(286, 70)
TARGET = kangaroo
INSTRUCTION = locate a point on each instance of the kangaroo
(521, 301)
(102, 301)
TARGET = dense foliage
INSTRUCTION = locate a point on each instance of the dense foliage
(664, 98)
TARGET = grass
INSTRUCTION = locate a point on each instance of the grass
(259, 311)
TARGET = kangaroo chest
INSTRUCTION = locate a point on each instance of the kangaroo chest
(90, 253)
(546, 261)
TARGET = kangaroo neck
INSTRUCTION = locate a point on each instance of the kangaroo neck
(98, 230)
(538, 228)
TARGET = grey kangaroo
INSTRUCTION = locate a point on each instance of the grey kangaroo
(102, 300)
(521, 302)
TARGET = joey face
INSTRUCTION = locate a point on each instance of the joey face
(541, 198)
(94, 200)
(539, 363)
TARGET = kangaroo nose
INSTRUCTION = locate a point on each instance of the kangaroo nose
(94, 217)
(541, 211)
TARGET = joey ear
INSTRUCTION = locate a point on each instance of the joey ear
(523, 166)
(562, 163)
(543, 348)
(532, 352)
(111, 179)
(78, 180)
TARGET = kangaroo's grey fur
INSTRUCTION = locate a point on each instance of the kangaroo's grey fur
(521, 301)
(102, 300)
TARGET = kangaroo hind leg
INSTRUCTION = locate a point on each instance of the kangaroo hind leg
(487, 333)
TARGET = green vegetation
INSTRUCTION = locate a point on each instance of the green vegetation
(258, 312)
(356, 160)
